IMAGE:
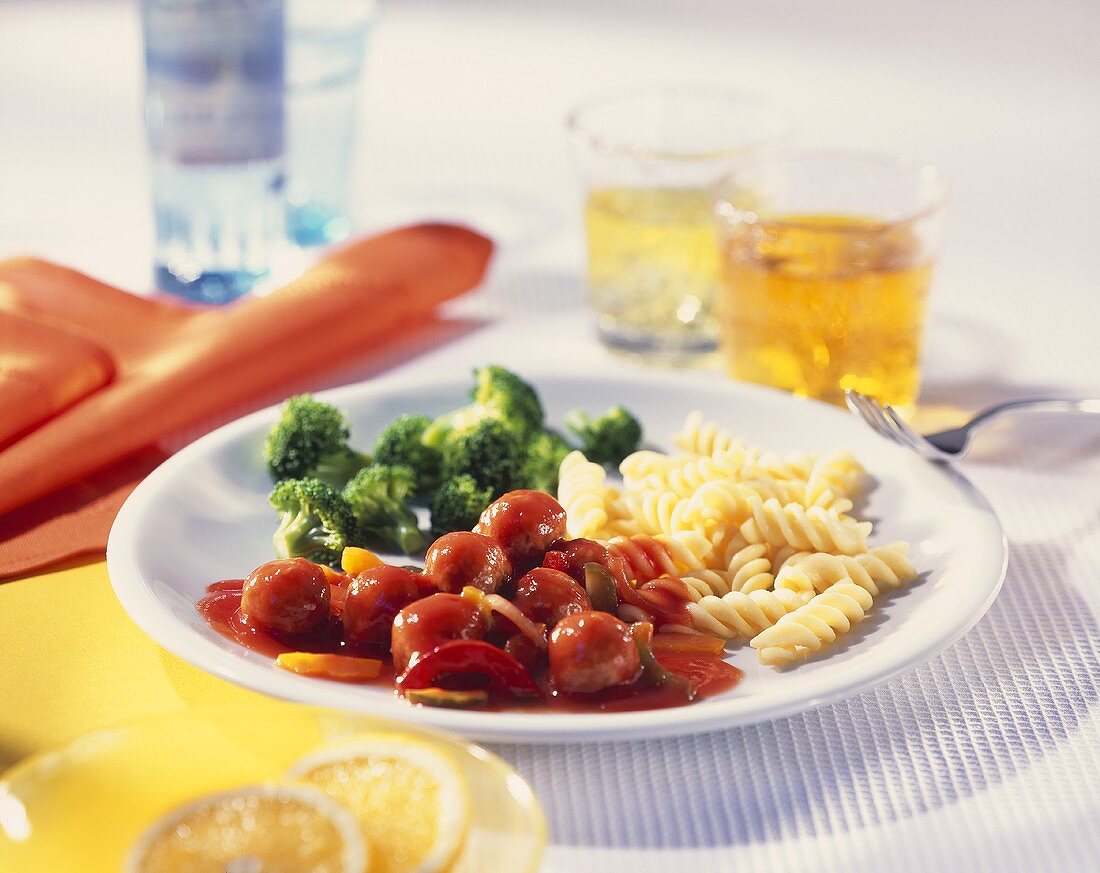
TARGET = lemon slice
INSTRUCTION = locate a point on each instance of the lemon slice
(259, 829)
(411, 799)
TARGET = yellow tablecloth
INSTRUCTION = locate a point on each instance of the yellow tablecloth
(72, 661)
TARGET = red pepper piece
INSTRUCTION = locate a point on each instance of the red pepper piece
(456, 657)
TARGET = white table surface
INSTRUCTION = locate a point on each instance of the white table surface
(987, 758)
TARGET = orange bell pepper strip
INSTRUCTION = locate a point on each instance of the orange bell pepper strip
(342, 668)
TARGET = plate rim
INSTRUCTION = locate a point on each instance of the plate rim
(156, 619)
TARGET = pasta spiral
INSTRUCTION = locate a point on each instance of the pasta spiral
(816, 572)
(727, 542)
(727, 501)
(814, 529)
(738, 614)
(637, 467)
(811, 626)
(762, 545)
(627, 526)
(687, 473)
(819, 571)
(702, 437)
(751, 569)
(658, 512)
(889, 565)
(649, 557)
(785, 555)
(796, 465)
(708, 581)
(584, 495)
(697, 585)
(838, 473)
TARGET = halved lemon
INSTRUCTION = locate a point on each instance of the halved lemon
(258, 829)
(411, 799)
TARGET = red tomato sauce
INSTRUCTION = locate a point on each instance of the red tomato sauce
(708, 674)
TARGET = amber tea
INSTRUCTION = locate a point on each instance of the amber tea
(826, 263)
(816, 304)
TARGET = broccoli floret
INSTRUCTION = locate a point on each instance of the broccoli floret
(377, 496)
(544, 455)
(608, 438)
(497, 394)
(457, 503)
(310, 440)
(517, 399)
(490, 452)
(401, 443)
(315, 521)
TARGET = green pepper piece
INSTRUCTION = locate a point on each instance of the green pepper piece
(652, 671)
(449, 699)
(600, 587)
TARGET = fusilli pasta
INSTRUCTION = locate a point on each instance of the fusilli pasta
(814, 529)
(737, 614)
(658, 512)
(885, 566)
(728, 501)
(649, 557)
(751, 569)
(809, 627)
(702, 437)
(763, 543)
(837, 473)
(584, 495)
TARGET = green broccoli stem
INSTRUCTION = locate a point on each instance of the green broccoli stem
(436, 434)
(293, 532)
(338, 468)
(408, 537)
(578, 421)
(399, 533)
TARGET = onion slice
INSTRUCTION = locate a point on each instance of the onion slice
(533, 630)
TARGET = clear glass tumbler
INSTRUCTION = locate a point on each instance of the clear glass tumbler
(649, 158)
(214, 116)
(827, 258)
(326, 42)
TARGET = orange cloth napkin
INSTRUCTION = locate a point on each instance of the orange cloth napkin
(98, 375)
(44, 370)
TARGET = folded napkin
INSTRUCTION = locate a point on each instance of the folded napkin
(42, 371)
(90, 376)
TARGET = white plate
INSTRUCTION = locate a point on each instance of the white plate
(203, 516)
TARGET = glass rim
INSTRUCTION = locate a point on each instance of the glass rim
(627, 147)
(902, 162)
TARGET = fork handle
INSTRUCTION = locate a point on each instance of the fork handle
(1037, 404)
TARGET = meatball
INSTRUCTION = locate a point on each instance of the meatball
(289, 596)
(374, 597)
(570, 556)
(463, 558)
(549, 596)
(590, 651)
(423, 625)
(525, 523)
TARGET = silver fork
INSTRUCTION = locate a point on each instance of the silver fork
(949, 445)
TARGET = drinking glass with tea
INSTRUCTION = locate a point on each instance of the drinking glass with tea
(827, 259)
(648, 158)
